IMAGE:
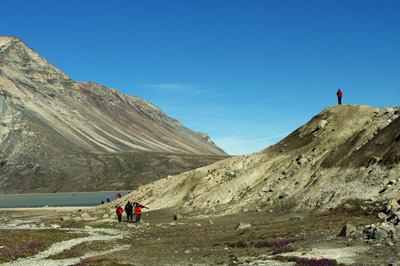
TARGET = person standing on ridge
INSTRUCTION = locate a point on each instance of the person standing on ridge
(339, 96)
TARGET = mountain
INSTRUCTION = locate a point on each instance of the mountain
(345, 153)
(57, 134)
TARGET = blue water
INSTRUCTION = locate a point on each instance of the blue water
(57, 199)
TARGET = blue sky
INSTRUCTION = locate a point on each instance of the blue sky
(245, 72)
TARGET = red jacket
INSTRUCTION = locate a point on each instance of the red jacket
(119, 211)
(339, 93)
(138, 209)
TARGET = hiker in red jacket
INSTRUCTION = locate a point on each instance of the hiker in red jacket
(138, 211)
(119, 212)
(339, 96)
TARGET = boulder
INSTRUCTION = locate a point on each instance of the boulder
(348, 230)
(379, 233)
(394, 218)
(301, 160)
(283, 195)
(347, 206)
(388, 227)
(322, 124)
(382, 216)
(66, 218)
(86, 216)
(392, 206)
(177, 216)
(230, 173)
(241, 226)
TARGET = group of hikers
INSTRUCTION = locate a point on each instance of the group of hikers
(130, 208)
(108, 198)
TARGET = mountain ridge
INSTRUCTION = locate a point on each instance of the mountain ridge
(45, 116)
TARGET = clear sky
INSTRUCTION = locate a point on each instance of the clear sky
(245, 72)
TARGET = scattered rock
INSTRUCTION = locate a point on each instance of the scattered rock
(296, 218)
(389, 228)
(348, 230)
(283, 195)
(382, 216)
(86, 216)
(177, 216)
(66, 218)
(230, 173)
(379, 234)
(301, 160)
(347, 206)
(241, 226)
(322, 124)
(392, 205)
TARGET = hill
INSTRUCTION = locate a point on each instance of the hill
(347, 152)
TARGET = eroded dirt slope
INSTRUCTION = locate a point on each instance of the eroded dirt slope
(345, 152)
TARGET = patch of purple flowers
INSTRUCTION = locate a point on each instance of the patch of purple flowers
(280, 243)
(82, 262)
(307, 261)
(285, 242)
(355, 209)
(20, 250)
(239, 244)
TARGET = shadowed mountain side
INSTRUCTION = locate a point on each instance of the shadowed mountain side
(49, 122)
(117, 171)
(383, 149)
(319, 166)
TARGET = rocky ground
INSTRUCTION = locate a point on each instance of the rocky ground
(357, 233)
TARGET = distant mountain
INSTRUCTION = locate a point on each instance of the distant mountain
(345, 153)
(57, 134)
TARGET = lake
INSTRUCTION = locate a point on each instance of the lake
(57, 199)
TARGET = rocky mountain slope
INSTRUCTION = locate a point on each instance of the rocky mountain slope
(347, 152)
(57, 134)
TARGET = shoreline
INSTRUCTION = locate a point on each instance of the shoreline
(45, 209)
(70, 199)
(72, 192)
